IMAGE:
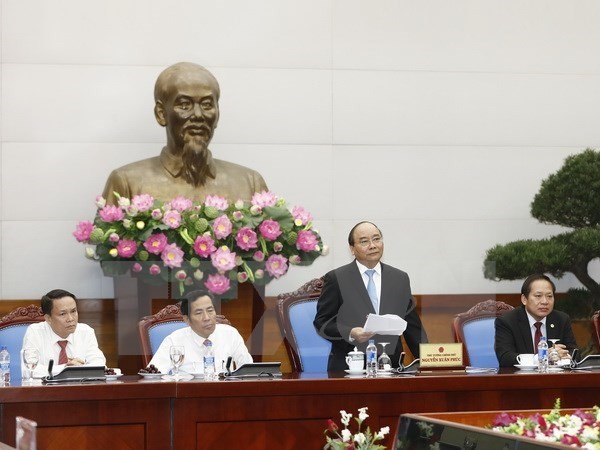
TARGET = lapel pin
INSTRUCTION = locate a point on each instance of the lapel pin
(551, 325)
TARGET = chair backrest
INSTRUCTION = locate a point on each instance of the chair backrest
(596, 329)
(308, 352)
(12, 330)
(475, 329)
(153, 329)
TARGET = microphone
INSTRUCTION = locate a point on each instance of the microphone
(50, 365)
(228, 365)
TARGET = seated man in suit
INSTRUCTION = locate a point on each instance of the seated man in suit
(516, 330)
(199, 312)
(61, 337)
(364, 286)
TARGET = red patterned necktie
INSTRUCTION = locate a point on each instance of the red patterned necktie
(538, 335)
(62, 356)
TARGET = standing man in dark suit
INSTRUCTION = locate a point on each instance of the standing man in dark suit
(345, 301)
(516, 330)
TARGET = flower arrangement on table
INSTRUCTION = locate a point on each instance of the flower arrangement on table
(215, 242)
(345, 439)
(580, 429)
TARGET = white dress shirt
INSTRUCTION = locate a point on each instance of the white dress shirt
(82, 344)
(226, 341)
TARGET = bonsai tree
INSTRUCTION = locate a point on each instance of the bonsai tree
(571, 198)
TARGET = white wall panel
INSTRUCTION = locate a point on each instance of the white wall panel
(539, 36)
(443, 108)
(263, 33)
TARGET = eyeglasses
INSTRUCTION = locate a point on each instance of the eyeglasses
(366, 242)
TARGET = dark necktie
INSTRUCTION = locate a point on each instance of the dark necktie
(537, 336)
(372, 290)
(62, 356)
(207, 342)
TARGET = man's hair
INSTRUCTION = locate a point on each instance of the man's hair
(351, 234)
(168, 76)
(526, 288)
(55, 294)
(191, 297)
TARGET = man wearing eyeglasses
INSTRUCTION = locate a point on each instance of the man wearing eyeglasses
(365, 286)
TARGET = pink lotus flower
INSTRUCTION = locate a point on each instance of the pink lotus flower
(307, 241)
(156, 214)
(301, 216)
(237, 215)
(204, 246)
(114, 237)
(218, 202)
(181, 204)
(276, 265)
(137, 267)
(264, 198)
(142, 202)
(258, 256)
(223, 259)
(270, 229)
(222, 227)
(172, 256)
(172, 218)
(126, 248)
(277, 246)
(83, 230)
(246, 238)
(156, 243)
(242, 277)
(295, 259)
(111, 213)
(217, 283)
(180, 275)
(154, 269)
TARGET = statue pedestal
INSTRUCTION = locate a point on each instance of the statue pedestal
(135, 299)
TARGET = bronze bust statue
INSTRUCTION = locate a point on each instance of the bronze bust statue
(186, 99)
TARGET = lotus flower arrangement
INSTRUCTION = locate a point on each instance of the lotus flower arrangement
(580, 429)
(217, 243)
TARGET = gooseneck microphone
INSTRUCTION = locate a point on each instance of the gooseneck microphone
(50, 365)
(228, 365)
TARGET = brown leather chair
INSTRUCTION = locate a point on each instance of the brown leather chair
(154, 328)
(596, 329)
(12, 330)
(307, 351)
(475, 329)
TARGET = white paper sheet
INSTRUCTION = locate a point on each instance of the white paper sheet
(385, 324)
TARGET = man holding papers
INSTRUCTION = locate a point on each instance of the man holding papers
(367, 286)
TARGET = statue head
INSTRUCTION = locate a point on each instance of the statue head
(186, 99)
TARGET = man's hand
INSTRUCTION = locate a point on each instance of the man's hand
(360, 335)
(75, 362)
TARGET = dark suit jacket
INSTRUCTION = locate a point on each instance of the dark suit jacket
(344, 304)
(513, 334)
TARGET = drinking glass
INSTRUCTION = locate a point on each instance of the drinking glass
(177, 353)
(31, 357)
(553, 356)
(384, 362)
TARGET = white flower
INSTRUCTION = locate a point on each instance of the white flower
(359, 438)
(345, 417)
(362, 414)
(346, 435)
(382, 433)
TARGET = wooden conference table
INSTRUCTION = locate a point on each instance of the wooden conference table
(290, 413)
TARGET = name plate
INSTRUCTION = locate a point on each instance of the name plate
(441, 356)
